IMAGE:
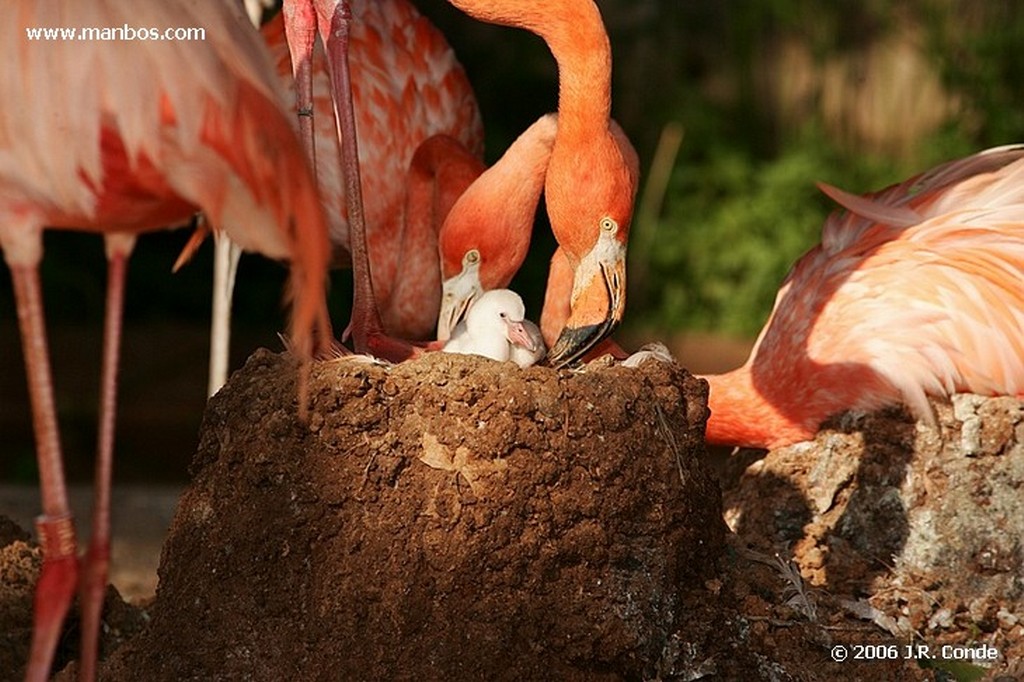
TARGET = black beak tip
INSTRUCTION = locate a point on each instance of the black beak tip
(574, 342)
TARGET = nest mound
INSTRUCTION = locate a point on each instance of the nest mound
(446, 518)
(918, 527)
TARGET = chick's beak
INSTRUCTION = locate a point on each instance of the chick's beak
(517, 334)
(598, 302)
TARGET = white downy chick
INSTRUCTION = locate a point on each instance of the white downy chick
(492, 326)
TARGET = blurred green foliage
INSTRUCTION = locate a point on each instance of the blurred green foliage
(741, 206)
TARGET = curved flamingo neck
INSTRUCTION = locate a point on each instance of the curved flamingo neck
(741, 416)
(505, 199)
(575, 34)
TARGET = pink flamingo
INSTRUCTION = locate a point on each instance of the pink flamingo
(332, 20)
(407, 87)
(591, 175)
(137, 135)
(486, 234)
(913, 291)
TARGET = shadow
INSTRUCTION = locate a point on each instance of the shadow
(873, 528)
(833, 504)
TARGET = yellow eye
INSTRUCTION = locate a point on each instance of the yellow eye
(608, 225)
(472, 257)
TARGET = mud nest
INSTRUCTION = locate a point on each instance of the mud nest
(447, 518)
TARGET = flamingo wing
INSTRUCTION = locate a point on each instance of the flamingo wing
(925, 195)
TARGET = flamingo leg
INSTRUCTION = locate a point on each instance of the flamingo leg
(300, 30)
(96, 562)
(365, 316)
(225, 266)
(59, 573)
(367, 329)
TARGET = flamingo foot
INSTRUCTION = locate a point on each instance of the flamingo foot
(393, 350)
(57, 580)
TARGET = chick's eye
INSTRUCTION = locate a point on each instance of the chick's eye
(609, 225)
(472, 257)
(503, 316)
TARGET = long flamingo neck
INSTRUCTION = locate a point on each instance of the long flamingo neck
(575, 34)
(581, 48)
(740, 415)
(514, 185)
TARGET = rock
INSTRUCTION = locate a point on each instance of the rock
(447, 518)
(921, 522)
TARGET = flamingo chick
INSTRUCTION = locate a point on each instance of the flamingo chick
(913, 291)
(493, 324)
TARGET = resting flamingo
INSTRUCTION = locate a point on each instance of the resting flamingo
(914, 291)
(591, 177)
(137, 135)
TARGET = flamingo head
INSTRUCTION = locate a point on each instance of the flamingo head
(458, 292)
(486, 234)
(590, 203)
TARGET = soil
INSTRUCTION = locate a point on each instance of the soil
(456, 518)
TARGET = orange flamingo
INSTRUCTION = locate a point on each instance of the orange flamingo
(913, 291)
(592, 173)
(136, 135)
(486, 234)
(406, 87)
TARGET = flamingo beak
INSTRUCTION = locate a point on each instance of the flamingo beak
(458, 294)
(517, 334)
(598, 302)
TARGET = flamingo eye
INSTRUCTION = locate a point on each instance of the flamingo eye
(503, 315)
(609, 225)
(472, 257)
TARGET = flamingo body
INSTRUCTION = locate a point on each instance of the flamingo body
(121, 137)
(914, 291)
(407, 86)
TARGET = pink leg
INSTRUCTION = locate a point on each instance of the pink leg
(300, 31)
(96, 563)
(366, 321)
(56, 529)
(366, 326)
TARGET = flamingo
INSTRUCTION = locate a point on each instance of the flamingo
(123, 137)
(408, 90)
(486, 233)
(592, 173)
(494, 323)
(332, 19)
(914, 291)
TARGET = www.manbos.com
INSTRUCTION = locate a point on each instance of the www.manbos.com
(114, 33)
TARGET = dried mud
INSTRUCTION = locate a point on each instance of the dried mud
(459, 519)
